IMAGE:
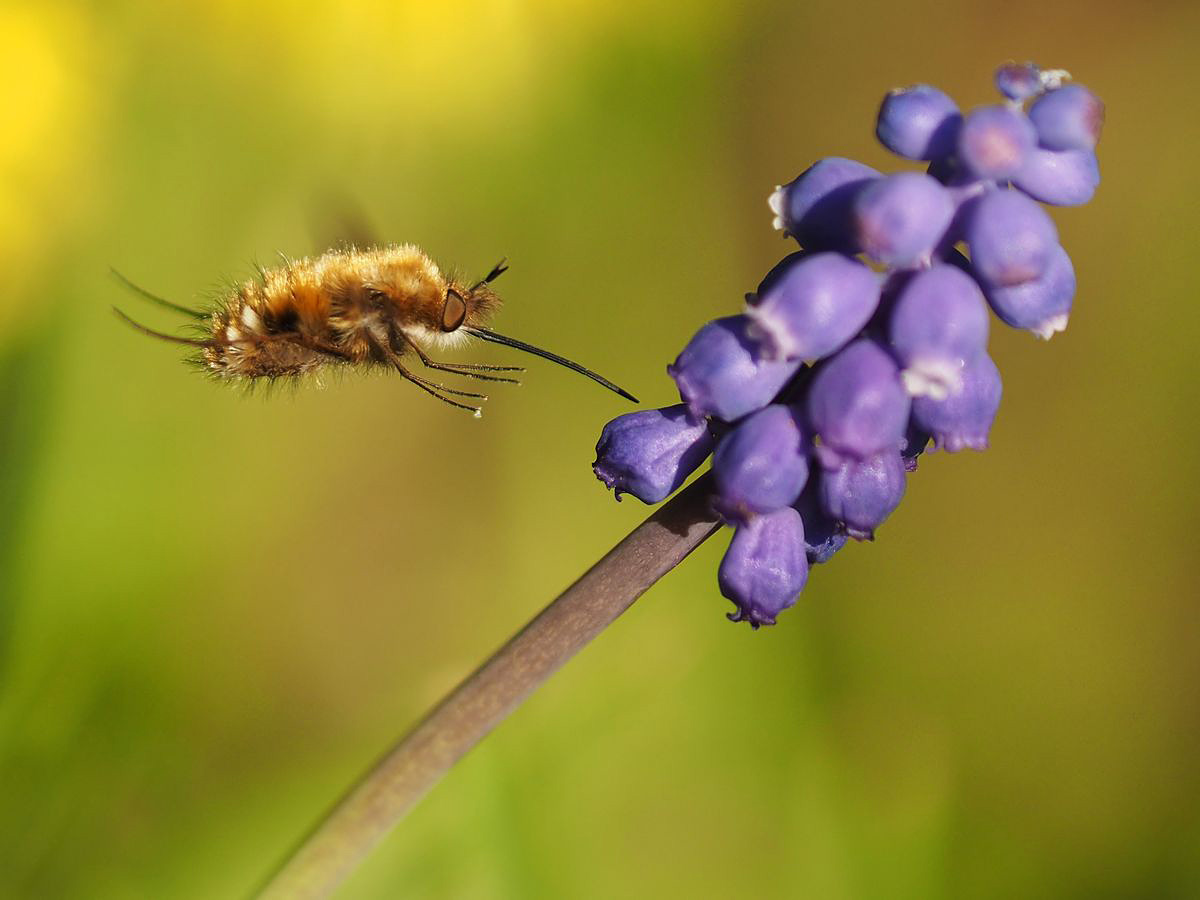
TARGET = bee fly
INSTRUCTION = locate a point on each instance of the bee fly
(353, 307)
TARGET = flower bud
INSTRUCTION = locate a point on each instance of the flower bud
(964, 419)
(1069, 118)
(938, 325)
(856, 402)
(1041, 305)
(764, 569)
(994, 141)
(1010, 237)
(900, 219)
(723, 373)
(918, 122)
(810, 305)
(1059, 177)
(863, 493)
(651, 452)
(761, 464)
(815, 207)
(1018, 81)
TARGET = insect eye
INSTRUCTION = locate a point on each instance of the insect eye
(454, 312)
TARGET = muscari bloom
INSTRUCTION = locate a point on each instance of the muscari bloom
(724, 373)
(761, 465)
(811, 304)
(861, 493)
(836, 378)
(651, 452)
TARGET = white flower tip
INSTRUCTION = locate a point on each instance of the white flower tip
(776, 202)
(1052, 79)
(936, 379)
(1050, 327)
(771, 337)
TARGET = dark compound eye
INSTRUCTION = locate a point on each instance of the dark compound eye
(453, 312)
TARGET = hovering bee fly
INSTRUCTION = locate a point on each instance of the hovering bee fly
(354, 307)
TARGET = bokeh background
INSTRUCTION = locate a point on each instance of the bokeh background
(216, 610)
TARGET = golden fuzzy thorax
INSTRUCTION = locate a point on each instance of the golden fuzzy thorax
(350, 306)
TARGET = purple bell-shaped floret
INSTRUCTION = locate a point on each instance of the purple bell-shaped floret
(918, 122)
(765, 568)
(994, 141)
(963, 420)
(651, 452)
(761, 464)
(1059, 177)
(861, 493)
(810, 305)
(1010, 237)
(901, 219)
(815, 207)
(722, 372)
(1019, 81)
(938, 324)
(856, 402)
(1069, 118)
(1041, 305)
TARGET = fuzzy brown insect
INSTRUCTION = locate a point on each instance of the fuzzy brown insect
(353, 307)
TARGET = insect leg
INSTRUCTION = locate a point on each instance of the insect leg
(468, 371)
(429, 387)
(329, 350)
(154, 298)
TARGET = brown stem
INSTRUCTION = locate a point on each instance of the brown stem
(389, 790)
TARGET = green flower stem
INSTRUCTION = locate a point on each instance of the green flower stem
(414, 765)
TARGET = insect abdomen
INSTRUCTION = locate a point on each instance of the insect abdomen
(263, 332)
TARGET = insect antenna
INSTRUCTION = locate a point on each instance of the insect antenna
(154, 298)
(497, 270)
(165, 337)
(495, 338)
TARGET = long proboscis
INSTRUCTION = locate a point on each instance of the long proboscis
(484, 334)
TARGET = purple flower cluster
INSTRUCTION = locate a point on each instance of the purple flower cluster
(871, 341)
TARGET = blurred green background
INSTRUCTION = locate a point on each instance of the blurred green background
(215, 609)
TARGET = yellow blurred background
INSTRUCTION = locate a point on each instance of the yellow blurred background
(216, 609)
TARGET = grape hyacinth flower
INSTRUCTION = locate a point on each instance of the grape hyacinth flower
(815, 207)
(723, 373)
(651, 452)
(1069, 118)
(1041, 305)
(857, 403)
(761, 465)
(861, 494)
(765, 568)
(963, 420)
(835, 378)
(994, 141)
(938, 325)
(1019, 81)
(1059, 177)
(1010, 238)
(810, 305)
(900, 219)
(919, 122)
